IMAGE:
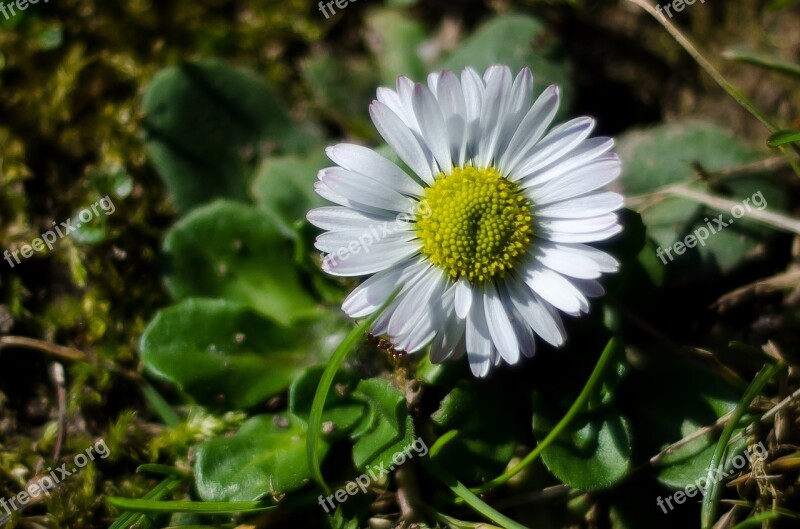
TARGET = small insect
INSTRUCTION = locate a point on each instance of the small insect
(385, 345)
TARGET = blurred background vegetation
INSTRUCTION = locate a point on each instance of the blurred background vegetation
(74, 128)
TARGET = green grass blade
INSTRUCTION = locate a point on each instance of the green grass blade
(708, 512)
(580, 403)
(318, 405)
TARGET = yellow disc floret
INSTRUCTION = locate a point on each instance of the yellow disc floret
(477, 223)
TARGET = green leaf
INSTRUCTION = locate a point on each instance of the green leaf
(396, 41)
(516, 41)
(341, 411)
(342, 89)
(387, 429)
(267, 456)
(204, 124)
(594, 452)
(236, 252)
(485, 438)
(284, 187)
(783, 137)
(221, 352)
(665, 154)
(698, 401)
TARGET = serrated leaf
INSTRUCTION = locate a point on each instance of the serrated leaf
(236, 252)
(266, 457)
(223, 353)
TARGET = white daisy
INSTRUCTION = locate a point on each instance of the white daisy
(486, 238)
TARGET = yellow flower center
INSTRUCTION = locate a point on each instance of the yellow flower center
(478, 226)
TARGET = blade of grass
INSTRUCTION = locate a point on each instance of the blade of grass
(205, 507)
(161, 406)
(708, 511)
(577, 406)
(769, 63)
(156, 493)
(478, 505)
(318, 404)
(783, 137)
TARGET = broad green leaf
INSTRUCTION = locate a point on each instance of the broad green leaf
(266, 457)
(387, 430)
(593, 453)
(396, 41)
(666, 154)
(342, 89)
(516, 41)
(284, 187)
(204, 125)
(236, 252)
(222, 353)
(341, 412)
(687, 396)
(486, 438)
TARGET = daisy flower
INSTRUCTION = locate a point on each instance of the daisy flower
(485, 234)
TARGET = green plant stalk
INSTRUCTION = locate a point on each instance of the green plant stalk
(196, 507)
(734, 92)
(709, 508)
(577, 407)
(763, 61)
(318, 404)
(161, 406)
(478, 505)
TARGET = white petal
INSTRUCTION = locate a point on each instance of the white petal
(558, 142)
(584, 153)
(495, 106)
(370, 295)
(479, 341)
(451, 333)
(359, 188)
(579, 182)
(575, 260)
(474, 90)
(432, 125)
(451, 100)
(557, 290)
(323, 190)
(338, 218)
(426, 322)
(593, 236)
(500, 328)
(361, 241)
(433, 81)
(537, 313)
(463, 299)
(590, 287)
(369, 163)
(403, 140)
(589, 225)
(530, 131)
(361, 264)
(585, 206)
(518, 106)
